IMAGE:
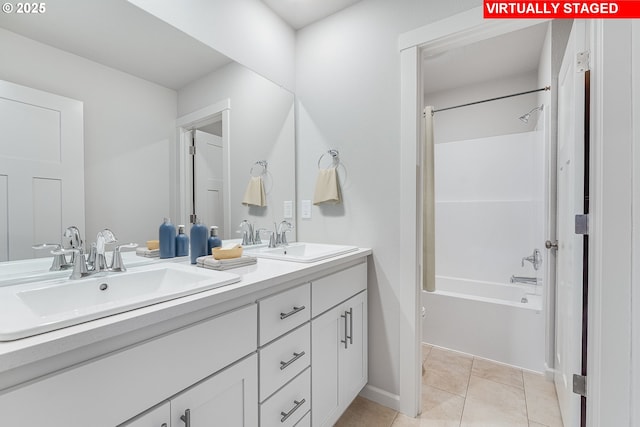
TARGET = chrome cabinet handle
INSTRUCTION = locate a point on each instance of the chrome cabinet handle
(346, 334)
(296, 356)
(350, 312)
(292, 312)
(186, 418)
(286, 415)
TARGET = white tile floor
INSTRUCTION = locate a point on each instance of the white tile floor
(464, 391)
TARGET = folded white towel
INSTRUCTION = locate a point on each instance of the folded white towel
(148, 253)
(254, 194)
(225, 264)
(327, 187)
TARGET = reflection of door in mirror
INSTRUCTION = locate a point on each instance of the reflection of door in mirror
(208, 178)
(41, 169)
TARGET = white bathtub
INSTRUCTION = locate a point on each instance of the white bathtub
(487, 320)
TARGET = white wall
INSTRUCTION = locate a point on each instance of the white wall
(487, 119)
(127, 130)
(487, 199)
(246, 31)
(261, 128)
(348, 94)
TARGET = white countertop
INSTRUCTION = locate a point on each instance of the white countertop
(266, 274)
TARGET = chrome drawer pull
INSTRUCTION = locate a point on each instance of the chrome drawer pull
(350, 312)
(346, 334)
(164, 425)
(292, 312)
(286, 415)
(296, 356)
(186, 418)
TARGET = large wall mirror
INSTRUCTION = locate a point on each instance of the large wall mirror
(137, 79)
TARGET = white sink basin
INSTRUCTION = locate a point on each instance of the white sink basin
(303, 252)
(44, 306)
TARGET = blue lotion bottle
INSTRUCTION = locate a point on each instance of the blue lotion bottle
(198, 241)
(167, 237)
(182, 242)
(213, 241)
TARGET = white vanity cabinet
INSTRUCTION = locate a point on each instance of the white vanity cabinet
(285, 356)
(293, 355)
(339, 343)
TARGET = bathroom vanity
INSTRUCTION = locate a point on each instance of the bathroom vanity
(284, 346)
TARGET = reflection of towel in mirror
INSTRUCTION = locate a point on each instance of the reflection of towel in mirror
(327, 187)
(254, 194)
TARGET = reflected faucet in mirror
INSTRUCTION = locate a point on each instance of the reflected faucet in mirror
(70, 240)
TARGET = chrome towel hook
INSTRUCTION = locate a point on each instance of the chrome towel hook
(335, 157)
(262, 164)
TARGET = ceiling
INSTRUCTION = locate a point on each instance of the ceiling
(300, 13)
(119, 35)
(511, 54)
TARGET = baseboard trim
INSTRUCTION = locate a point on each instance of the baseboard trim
(382, 397)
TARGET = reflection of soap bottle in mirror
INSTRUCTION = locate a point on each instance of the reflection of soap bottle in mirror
(198, 241)
(182, 242)
(167, 239)
(213, 241)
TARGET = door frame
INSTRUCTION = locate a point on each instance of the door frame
(455, 31)
(209, 114)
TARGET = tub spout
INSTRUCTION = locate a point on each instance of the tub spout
(524, 280)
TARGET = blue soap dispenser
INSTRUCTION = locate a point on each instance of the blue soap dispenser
(198, 241)
(213, 241)
(182, 242)
(167, 237)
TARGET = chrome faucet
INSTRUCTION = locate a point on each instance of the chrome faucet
(524, 280)
(535, 259)
(97, 258)
(246, 228)
(279, 236)
(70, 240)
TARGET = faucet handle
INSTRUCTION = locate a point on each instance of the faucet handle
(116, 261)
(59, 259)
(80, 269)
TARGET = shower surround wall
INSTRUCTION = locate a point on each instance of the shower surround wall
(489, 204)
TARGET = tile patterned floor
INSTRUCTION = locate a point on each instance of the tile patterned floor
(464, 391)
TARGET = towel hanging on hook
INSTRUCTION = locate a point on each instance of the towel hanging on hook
(254, 194)
(327, 183)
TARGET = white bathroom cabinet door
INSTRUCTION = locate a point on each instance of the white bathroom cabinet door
(229, 398)
(158, 417)
(339, 360)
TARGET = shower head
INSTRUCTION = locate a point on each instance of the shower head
(525, 117)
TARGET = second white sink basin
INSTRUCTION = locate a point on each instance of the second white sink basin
(303, 252)
(38, 307)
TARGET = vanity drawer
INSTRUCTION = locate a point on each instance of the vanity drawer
(283, 359)
(331, 290)
(282, 312)
(294, 401)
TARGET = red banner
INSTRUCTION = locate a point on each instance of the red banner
(561, 9)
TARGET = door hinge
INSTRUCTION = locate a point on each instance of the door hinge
(582, 224)
(580, 385)
(582, 61)
(192, 150)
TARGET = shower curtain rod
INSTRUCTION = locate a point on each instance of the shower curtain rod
(494, 99)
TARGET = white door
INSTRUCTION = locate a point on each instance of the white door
(570, 202)
(209, 180)
(229, 398)
(41, 169)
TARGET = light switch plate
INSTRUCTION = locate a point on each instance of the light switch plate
(288, 209)
(306, 209)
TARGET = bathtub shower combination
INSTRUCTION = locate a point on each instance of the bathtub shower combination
(489, 222)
